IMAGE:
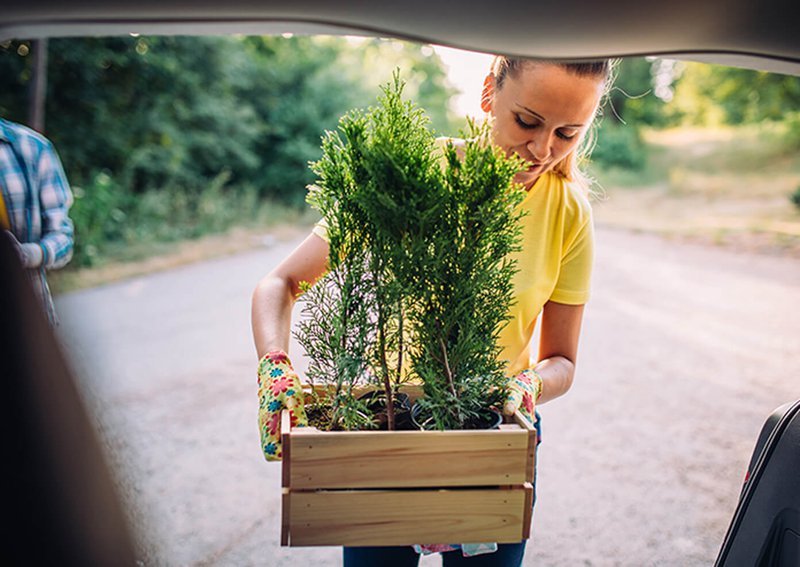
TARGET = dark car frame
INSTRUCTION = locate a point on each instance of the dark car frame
(59, 483)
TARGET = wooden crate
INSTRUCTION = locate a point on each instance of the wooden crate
(364, 488)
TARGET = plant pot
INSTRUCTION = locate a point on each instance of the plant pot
(491, 420)
(376, 402)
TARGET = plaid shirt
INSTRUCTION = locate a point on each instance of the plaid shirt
(37, 198)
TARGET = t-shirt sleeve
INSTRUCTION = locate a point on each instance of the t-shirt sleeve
(321, 229)
(574, 280)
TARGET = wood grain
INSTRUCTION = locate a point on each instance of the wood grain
(286, 447)
(407, 487)
(286, 513)
(405, 459)
(378, 517)
(533, 440)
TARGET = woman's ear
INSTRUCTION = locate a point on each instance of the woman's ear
(487, 95)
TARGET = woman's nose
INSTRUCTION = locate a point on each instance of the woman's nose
(539, 147)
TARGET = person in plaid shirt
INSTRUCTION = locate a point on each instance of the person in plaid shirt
(34, 209)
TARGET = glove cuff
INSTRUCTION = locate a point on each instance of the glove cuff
(532, 378)
(272, 360)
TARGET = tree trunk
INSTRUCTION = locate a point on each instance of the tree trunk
(37, 95)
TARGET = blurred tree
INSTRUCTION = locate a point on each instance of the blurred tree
(298, 88)
(38, 85)
(640, 91)
(154, 111)
(157, 111)
(180, 112)
(421, 69)
(15, 69)
(637, 99)
(711, 94)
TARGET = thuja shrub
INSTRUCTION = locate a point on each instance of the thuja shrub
(421, 234)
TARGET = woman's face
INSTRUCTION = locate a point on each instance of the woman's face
(541, 113)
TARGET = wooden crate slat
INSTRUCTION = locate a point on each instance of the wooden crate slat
(525, 424)
(286, 515)
(407, 517)
(404, 459)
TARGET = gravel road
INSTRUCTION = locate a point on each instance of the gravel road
(685, 352)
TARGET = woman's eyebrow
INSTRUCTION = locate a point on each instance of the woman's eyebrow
(540, 117)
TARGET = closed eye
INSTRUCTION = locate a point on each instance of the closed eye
(531, 125)
(526, 125)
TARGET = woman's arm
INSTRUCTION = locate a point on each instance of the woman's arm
(276, 293)
(558, 348)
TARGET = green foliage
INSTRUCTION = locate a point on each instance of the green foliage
(419, 282)
(99, 214)
(464, 287)
(703, 94)
(711, 94)
(111, 222)
(619, 145)
(15, 68)
(752, 96)
(425, 77)
(633, 98)
(297, 89)
(185, 124)
(160, 112)
(791, 136)
(795, 197)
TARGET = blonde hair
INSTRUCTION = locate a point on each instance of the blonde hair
(605, 69)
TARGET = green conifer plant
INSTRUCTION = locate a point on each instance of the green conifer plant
(419, 280)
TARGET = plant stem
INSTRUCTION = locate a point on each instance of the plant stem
(399, 338)
(387, 384)
(448, 372)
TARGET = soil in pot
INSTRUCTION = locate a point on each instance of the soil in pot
(376, 402)
(319, 416)
(421, 419)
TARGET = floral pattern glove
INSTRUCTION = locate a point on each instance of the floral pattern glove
(524, 390)
(279, 388)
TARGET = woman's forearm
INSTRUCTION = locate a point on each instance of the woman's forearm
(271, 314)
(274, 297)
(556, 373)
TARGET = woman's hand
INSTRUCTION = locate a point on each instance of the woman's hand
(279, 388)
(524, 390)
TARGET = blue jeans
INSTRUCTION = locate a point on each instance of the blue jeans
(507, 554)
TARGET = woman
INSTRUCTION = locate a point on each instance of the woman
(541, 111)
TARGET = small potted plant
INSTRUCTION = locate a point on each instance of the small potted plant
(418, 288)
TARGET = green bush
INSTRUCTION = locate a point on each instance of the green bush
(795, 197)
(791, 137)
(100, 214)
(619, 146)
(112, 223)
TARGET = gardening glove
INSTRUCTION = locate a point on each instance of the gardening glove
(279, 388)
(524, 390)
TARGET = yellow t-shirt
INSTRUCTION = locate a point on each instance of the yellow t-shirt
(554, 263)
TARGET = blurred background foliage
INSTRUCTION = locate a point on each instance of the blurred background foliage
(167, 138)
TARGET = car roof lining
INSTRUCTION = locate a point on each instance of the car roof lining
(729, 32)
